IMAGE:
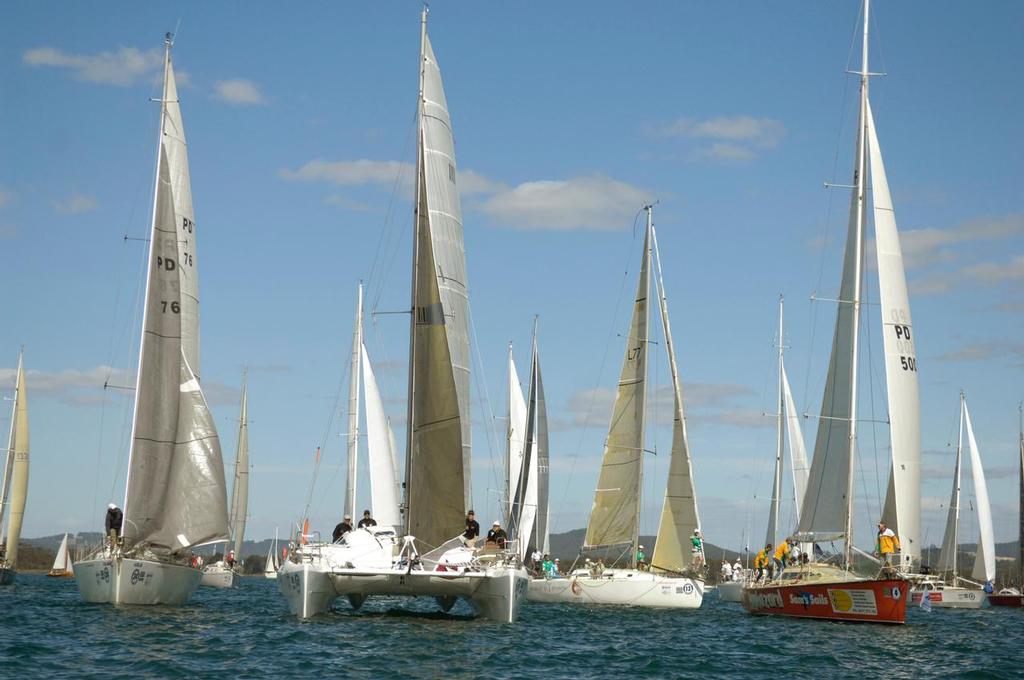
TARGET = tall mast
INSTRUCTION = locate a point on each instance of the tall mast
(168, 43)
(956, 486)
(509, 426)
(859, 185)
(1020, 507)
(415, 265)
(240, 484)
(353, 406)
(773, 515)
(643, 417)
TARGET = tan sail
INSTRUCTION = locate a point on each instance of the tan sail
(614, 519)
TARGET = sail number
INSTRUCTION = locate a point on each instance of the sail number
(908, 363)
(174, 305)
(904, 343)
(187, 224)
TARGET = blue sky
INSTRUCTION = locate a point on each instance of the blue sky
(568, 117)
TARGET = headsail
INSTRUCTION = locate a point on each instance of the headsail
(380, 449)
(797, 448)
(240, 486)
(62, 561)
(514, 436)
(679, 514)
(985, 557)
(15, 490)
(525, 499)
(437, 466)
(614, 518)
(950, 539)
(542, 533)
(902, 510)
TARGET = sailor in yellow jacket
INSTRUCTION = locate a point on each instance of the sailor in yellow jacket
(780, 556)
(762, 562)
(888, 543)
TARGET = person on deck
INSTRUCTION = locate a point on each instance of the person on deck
(548, 566)
(472, 529)
(641, 558)
(737, 570)
(113, 524)
(343, 528)
(230, 559)
(367, 520)
(697, 549)
(497, 535)
(763, 564)
(726, 570)
(780, 556)
(888, 543)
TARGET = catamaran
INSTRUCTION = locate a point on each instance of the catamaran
(175, 497)
(63, 565)
(951, 589)
(674, 578)
(220, 574)
(429, 557)
(14, 490)
(1010, 596)
(830, 591)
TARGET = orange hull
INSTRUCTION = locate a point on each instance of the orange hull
(874, 601)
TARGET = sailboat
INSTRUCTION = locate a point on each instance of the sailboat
(271, 565)
(221, 574)
(14, 491)
(1010, 596)
(175, 497)
(955, 591)
(827, 590)
(63, 565)
(674, 578)
(787, 429)
(429, 558)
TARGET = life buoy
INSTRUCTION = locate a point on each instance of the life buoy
(575, 587)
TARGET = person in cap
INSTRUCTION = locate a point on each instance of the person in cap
(113, 524)
(472, 528)
(641, 558)
(497, 535)
(737, 570)
(367, 520)
(697, 549)
(344, 526)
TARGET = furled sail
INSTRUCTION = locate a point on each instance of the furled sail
(514, 436)
(947, 556)
(679, 515)
(985, 557)
(437, 467)
(902, 510)
(380, 452)
(16, 477)
(615, 515)
(240, 487)
(176, 495)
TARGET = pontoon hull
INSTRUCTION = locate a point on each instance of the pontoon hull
(122, 580)
(631, 588)
(874, 601)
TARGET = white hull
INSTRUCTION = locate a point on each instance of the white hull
(7, 576)
(270, 574)
(730, 591)
(620, 587)
(217, 576)
(123, 580)
(945, 597)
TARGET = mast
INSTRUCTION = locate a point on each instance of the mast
(353, 406)
(956, 485)
(644, 375)
(1020, 507)
(240, 486)
(773, 515)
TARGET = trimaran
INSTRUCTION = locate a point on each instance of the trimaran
(429, 558)
(14, 490)
(828, 590)
(175, 498)
(674, 576)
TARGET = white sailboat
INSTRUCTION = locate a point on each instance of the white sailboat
(430, 559)
(63, 565)
(675, 576)
(271, 565)
(787, 431)
(951, 589)
(220, 574)
(827, 510)
(14, 490)
(1009, 596)
(175, 497)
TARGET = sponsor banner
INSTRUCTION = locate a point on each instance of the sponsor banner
(853, 601)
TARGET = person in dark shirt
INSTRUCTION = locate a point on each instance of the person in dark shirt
(367, 521)
(343, 528)
(497, 535)
(113, 524)
(472, 528)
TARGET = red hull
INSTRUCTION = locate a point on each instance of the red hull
(876, 601)
(1006, 600)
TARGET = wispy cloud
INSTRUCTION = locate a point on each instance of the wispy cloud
(347, 203)
(992, 273)
(728, 138)
(76, 204)
(122, 67)
(987, 350)
(471, 182)
(927, 246)
(6, 197)
(349, 173)
(704, 402)
(239, 92)
(595, 202)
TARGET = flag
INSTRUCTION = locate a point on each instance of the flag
(926, 599)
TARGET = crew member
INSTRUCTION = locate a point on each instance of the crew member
(367, 521)
(737, 570)
(230, 558)
(888, 543)
(472, 528)
(697, 549)
(780, 556)
(113, 524)
(343, 528)
(762, 562)
(641, 558)
(497, 535)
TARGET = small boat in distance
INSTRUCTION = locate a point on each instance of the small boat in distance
(272, 564)
(14, 489)
(1009, 596)
(63, 565)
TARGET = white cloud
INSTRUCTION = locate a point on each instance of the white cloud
(732, 138)
(922, 247)
(76, 204)
(704, 402)
(239, 92)
(471, 182)
(347, 203)
(123, 67)
(595, 202)
(990, 272)
(70, 385)
(721, 151)
(986, 350)
(349, 173)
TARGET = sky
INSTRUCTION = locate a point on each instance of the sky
(568, 118)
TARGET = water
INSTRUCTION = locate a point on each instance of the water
(46, 631)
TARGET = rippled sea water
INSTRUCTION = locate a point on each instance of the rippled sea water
(46, 631)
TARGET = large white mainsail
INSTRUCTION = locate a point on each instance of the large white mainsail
(240, 487)
(515, 431)
(525, 500)
(615, 516)
(15, 485)
(985, 557)
(176, 494)
(542, 538)
(437, 458)
(679, 515)
(380, 448)
(902, 511)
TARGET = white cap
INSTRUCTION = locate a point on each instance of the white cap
(111, 507)
(496, 523)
